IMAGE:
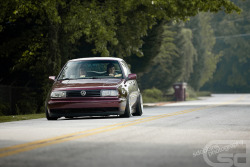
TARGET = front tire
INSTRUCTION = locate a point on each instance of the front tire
(139, 106)
(127, 112)
(69, 117)
(49, 118)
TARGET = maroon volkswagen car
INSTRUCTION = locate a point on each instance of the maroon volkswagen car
(94, 87)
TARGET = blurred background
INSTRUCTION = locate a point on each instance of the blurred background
(207, 48)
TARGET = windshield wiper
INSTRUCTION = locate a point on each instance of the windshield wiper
(89, 78)
(93, 77)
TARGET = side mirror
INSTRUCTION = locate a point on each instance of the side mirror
(131, 77)
(52, 78)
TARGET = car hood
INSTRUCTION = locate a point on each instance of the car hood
(86, 84)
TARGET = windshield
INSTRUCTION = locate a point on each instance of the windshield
(91, 69)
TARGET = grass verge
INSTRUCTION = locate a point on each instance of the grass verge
(204, 93)
(20, 117)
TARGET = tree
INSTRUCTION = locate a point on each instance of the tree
(174, 55)
(188, 53)
(166, 66)
(37, 37)
(232, 33)
(118, 25)
(204, 42)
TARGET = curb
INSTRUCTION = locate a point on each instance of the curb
(157, 104)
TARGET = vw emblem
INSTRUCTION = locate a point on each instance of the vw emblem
(83, 93)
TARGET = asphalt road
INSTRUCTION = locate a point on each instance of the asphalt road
(168, 135)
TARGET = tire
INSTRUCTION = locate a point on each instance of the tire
(139, 106)
(49, 118)
(127, 112)
(69, 117)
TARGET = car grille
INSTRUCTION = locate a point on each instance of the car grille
(89, 93)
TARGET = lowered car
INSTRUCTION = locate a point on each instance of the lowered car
(94, 87)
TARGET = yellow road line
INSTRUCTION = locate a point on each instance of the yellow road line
(7, 151)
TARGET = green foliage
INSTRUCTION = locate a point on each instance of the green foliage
(233, 39)
(38, 37)
(165, 67)
(150, 49)
(155, 95)
(174, 56)
(27, 105)
(11, 118)
(178, 56)
(188, 53)
(118, 24)
(204, 42)
(4, 108)
(191, 94)
(152, 95)
(203, 93)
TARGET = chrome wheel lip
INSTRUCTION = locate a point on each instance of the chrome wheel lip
(130, 109)
(141, 101)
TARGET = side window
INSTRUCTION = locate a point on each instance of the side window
(126, 69)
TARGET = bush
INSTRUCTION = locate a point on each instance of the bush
(190, 93)
(152, 95)
(4, 108)
(155, 95)
(204, 93)
(28, 104)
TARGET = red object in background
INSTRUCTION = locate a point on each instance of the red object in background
(180, 91)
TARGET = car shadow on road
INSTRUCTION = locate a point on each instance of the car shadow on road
(90, 117)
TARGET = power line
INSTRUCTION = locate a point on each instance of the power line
(233, 36)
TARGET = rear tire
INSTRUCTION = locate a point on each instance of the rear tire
(139, 106)
(127, 112)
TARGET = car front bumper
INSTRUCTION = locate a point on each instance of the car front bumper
(75, 107)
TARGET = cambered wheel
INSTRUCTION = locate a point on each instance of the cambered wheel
(139, 106)
(49, 117)
(127, 113)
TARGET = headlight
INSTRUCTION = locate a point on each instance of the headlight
(109, 93)
(58, 94)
